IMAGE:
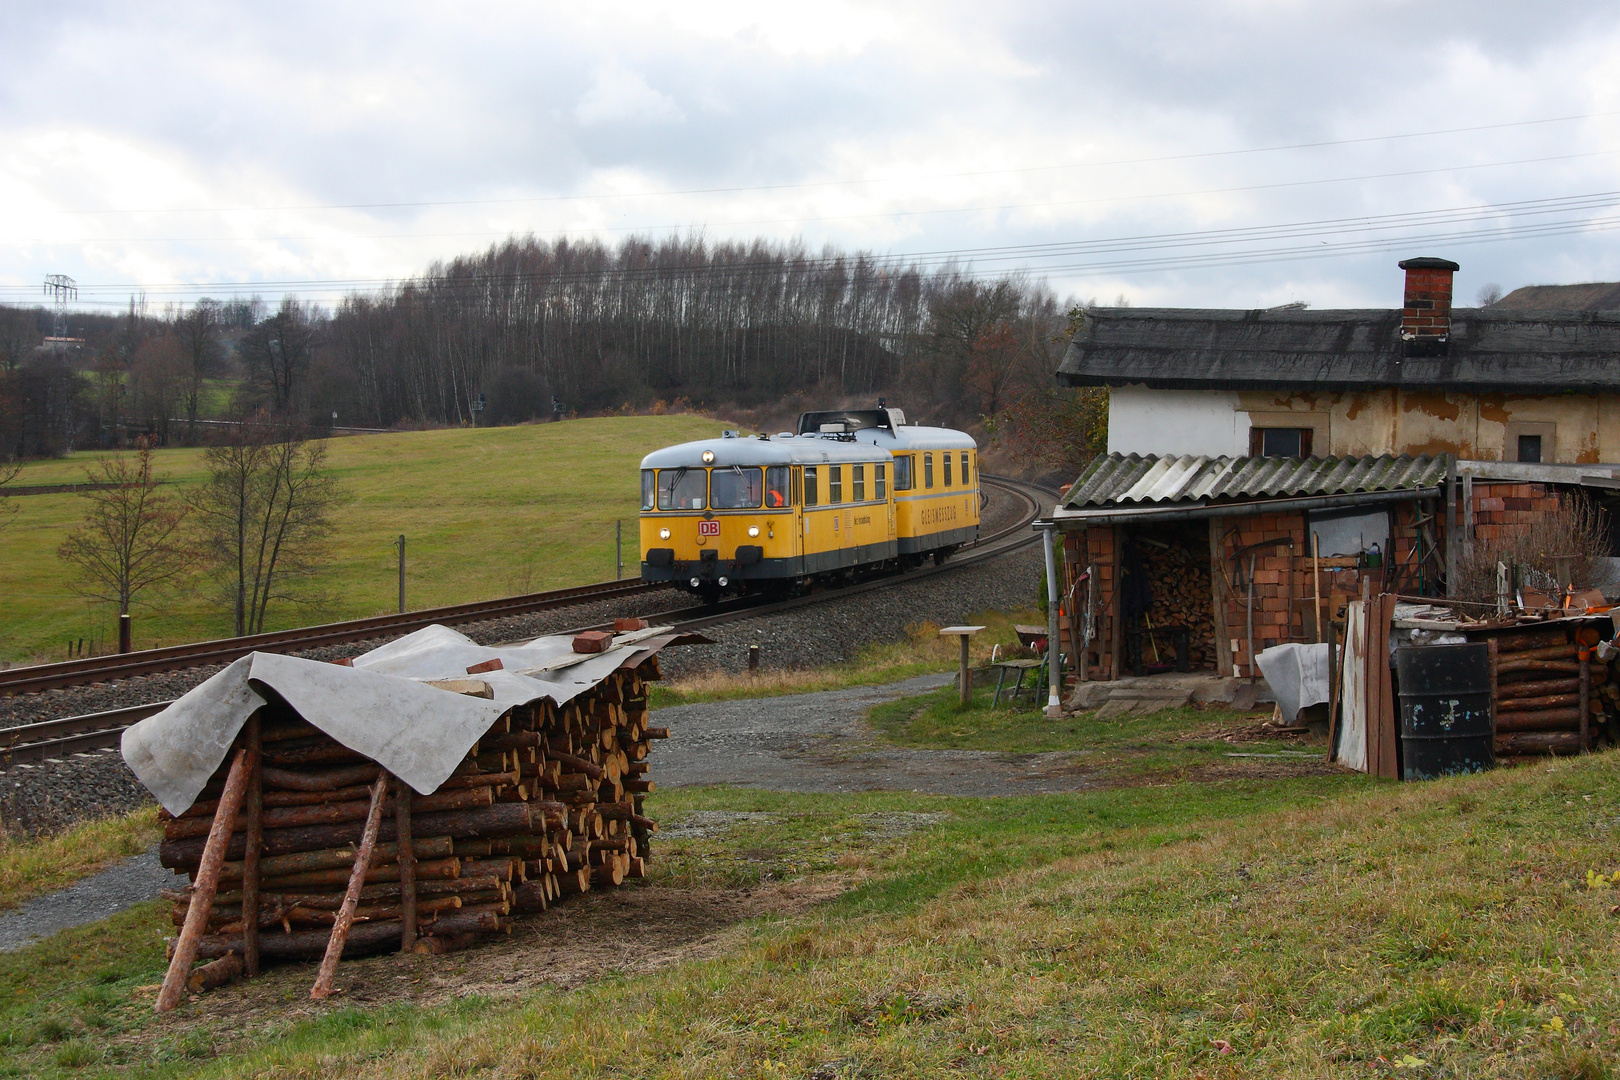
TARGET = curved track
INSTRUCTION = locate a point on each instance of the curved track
(93, 731)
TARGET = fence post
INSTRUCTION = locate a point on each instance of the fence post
(401, 543)
(618, 549)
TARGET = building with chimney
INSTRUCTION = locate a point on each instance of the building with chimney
(1265, 466)
(1491, 384)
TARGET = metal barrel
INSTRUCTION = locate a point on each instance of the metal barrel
(1446, 720)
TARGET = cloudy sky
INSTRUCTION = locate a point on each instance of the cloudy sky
(1179, 153)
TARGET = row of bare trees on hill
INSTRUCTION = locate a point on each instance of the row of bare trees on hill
(533, 329)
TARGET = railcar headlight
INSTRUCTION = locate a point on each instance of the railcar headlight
(708, 457)
(753, 530)
(696, 583)
(663, 534)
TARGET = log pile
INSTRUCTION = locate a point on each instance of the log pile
(1180, 585)
(1551, 694)
(301, 848)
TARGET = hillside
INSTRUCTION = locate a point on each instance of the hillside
(1593, 296)
(486, 512)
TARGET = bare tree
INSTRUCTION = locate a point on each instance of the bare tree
(264, 516)
(129, 539)
(278, 352)
(9, 468)
(1489, 294)
(198, 333)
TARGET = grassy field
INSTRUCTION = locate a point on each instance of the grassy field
(33, 867)
(485, 513)
(1241, 924)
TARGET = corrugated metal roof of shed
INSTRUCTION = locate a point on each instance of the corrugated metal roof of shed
(1133, 478)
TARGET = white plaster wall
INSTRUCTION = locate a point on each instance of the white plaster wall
(1143, 421)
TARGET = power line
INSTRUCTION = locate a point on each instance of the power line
(1239, 189)
(737, 189)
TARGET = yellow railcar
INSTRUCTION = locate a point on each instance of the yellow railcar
(849, 491)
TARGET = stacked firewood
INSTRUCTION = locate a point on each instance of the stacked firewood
(1552, 694)
(1179, 583)
(547, 803)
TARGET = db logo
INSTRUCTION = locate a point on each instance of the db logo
(708, 528)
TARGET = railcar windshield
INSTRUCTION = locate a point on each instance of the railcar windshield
(649, 488)
(736, 488)
(681, 489)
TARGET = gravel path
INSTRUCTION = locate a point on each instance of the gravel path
(820, 743)
(95, 898)
(805, 742)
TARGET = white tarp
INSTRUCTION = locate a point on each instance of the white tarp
(1297, 674)
(381, 707)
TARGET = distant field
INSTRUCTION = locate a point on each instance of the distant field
(485, 513)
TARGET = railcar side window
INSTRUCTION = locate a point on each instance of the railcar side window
(649, 488)
(776, 487)
(902, 473)
(858, 482)
(878, 479)
(835, 483)
(928, 470)
(735, 488)
(681, 489)
(945, 460)
(964, 469)
(811, 496)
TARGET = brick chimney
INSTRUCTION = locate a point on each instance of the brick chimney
(1426, 312)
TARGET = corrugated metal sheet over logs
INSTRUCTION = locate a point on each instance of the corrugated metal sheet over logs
(418, 799)
(1133, 478)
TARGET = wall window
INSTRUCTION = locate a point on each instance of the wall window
(1287, 442)
(945, 461)
(858, 483)
(649, 489)
(1529, 441)
(928, 471)
(811, 496)
(681, 489)
(902, 473)
(835, 484)
(777, 493)
(878, 481)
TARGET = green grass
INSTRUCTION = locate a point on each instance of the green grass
(485, 513)
(923, 651)
(1333, 926)
(1161, 746)
(32, 867)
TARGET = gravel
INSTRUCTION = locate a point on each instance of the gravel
(92, 899)
(55, 793)
(832, 632)
(820, 742)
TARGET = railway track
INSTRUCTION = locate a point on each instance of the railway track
(31, 743)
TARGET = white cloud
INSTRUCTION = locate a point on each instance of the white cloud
(621, 96)
(895, 126)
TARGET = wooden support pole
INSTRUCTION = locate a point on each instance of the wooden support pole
(1316, 581)
(967, 675)
(254, 846)
(407, 866)
(206, 883)
(1586, 696)
(357, 881)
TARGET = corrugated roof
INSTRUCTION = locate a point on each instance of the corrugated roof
(1133, 478)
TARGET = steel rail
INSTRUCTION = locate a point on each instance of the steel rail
(50, 739)
(36, 677)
